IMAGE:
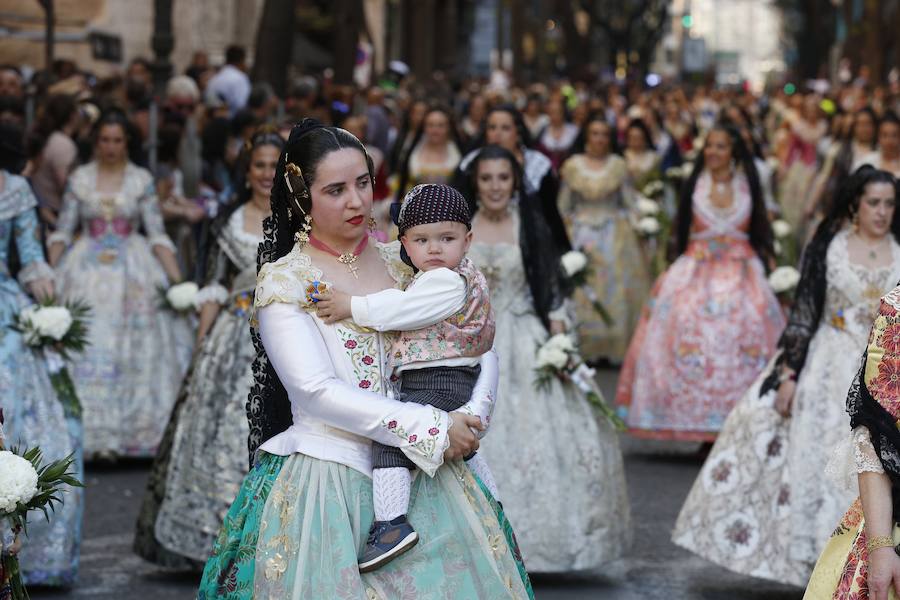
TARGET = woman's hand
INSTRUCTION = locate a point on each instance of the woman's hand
(332, 306)
(463, 441)
(884, 571)
(41, 289)
(557, 327)
(784, 398)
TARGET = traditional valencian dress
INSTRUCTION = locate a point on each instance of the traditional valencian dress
(596, 207)
(873, 446)
(128, 377)
(707, 331)
(202, 459)
(302, 514)
(761, 505)
(33, 413)
(577, 517)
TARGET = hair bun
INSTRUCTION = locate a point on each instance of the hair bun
(302, 128)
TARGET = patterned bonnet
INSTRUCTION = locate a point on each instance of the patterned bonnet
(433, 203)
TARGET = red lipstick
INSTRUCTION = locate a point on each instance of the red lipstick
(355, 220)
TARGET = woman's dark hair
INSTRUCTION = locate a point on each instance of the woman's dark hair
(12, 155)
(578, 147)
(112, 116)
(518, 120)
(399, 152)
(540, 256)
(846, 201)
(453, 136)
(268, 406)
(264, 136)
(889, 117)
(641, 126)
(866, 110)
(761, 238)
(56, 113)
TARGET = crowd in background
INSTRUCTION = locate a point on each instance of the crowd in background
(684, 198)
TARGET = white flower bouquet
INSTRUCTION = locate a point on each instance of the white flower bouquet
(784, 279)
(576, 266)
(559, 358)
(653, 189)
(181, 297)
(26, 485)
(57, 331)
(781, 228)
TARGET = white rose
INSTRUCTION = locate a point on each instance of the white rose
(653, 188)
(561, 341)
(51, 321)
(687, 168)
(778, 248)
(648, 226)
(574, 262)
(784, 279)
(647, 207)
(552, 357)
(18, 481)
(781, 228)
(183, 296)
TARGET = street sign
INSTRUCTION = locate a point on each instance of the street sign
(694, 55)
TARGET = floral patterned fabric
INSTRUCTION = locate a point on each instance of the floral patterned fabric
(594, 202)
(34, 415)
(761, 505)
(578, 517)
(128, 377)
(842, 570)
(311, 505)
(707, 331)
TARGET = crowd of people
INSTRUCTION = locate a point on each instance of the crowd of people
(681, 202)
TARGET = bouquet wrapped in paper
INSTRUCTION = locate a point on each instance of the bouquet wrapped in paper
(559, 358)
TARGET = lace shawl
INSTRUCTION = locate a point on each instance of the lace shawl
(874, 397)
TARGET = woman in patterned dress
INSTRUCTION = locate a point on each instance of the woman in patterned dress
(128, 377)
(34, 414)
(202, 460)
(712, 320)
(321, 394)
(761, 505)
(578, 517)
(595, 197)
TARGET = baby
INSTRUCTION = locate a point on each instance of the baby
(445, 322)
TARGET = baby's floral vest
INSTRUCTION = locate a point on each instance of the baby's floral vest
(466, 334)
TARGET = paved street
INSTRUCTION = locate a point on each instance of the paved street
(659, 477)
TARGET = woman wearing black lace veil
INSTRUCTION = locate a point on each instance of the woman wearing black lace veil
(200, 463)
(764, 479)
(320, 397)
(576, 517)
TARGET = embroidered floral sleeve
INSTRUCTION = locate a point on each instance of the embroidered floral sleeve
(284, 281)
(298, 352)
(216, 267)
(152, 218)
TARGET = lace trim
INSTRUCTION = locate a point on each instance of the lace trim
(285, 280)
(162, 240)
(591, 183)
(59, 236)
(853, 455)
(36, 270)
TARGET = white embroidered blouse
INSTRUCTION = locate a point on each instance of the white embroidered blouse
(336, 376)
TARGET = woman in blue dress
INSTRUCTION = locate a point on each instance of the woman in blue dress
(33, 413)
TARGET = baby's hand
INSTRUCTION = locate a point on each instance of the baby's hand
(332, 306)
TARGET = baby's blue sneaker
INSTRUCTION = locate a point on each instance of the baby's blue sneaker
(387, 540)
